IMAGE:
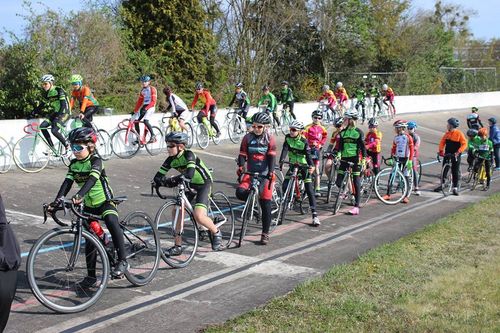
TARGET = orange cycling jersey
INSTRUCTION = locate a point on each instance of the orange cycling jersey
(452, 142)
(329, 95)
(389, 92)
(84, 96)
(341, 92)
(206, 98)
(373, 141)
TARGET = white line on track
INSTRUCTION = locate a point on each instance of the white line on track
(216, 155)
(13, 212)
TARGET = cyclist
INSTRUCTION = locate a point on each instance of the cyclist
(412, 126)
(194, 172)
(472, 139)
(258, 152)
(87, 170)
(209, 106)
(373, 144)
(375, 93)
(297, 148)
(316, 135)
(286, 97)
(329, 96)
(177, 106)
(389, 97)
(85, 97)
(402, 150)
(341, 94)
(145, 106)
(473, 120)
(333, 147)
(484, 150)
(270, 100)
(242, 99)
(360, 95)
(452, 142)
(56, 101)
(495, 139)
(351, 147)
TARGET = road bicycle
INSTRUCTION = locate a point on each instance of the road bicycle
(178, 227)
(285, 119)
(478, 173)
(103, 144)
(61, 258)
(332, 174)
(235, 124)
(205, 132)
(32, 152)
(445, 177)
(328, 116)
(392, 181)
(170, 123)
(347, 191)
(5, 156)
(126, 142)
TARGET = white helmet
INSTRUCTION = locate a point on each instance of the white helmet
(339, 84)
(351, 114)
(47, 78)
(326, 87)
(385, 87)
(297, 124)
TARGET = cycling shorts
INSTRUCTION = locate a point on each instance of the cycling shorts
(303, 174)
(200, 195)
(142, 114)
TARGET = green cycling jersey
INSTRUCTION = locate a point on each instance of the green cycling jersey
(270, 101)
(483, 148)
(352, 142)
(286, 95)
(188, 164)
(360, 94)
(297, 150)
(55, 100)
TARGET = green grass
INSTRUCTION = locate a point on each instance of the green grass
(445, 278)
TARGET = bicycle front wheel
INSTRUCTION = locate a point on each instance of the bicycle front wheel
(341, 195)
(5, 156)
(285, 122)
(236, 130)
(222, 214)
(56, 282)
(446, 180)
(190, 134)
(216, 138)
(332, 176)
(390, 186)
(202, 137)
(103, 145)
(367, 179)
(125, 143)
(156, 143)
(31, 154)
(248, 215)
(176, 227)
(142, 245)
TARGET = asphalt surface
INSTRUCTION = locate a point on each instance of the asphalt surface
(218, 286)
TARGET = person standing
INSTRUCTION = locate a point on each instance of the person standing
(495, 139)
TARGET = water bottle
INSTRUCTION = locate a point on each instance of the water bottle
(99, 231)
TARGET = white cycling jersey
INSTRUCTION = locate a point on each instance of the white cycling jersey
(402, 145)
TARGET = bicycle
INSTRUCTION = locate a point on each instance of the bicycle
(393, 182)
(285, 119)
(174, 126)
(347, 190)
(32, 152)
(56, 264)
(445, 178)
(205, 132)
(478, 173)
(5, 156)
(235, 124)
(332, 175)
(103, 144)
(328, 117)
(126, 142)
(175, 219)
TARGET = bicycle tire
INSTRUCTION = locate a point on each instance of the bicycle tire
(142, 245)
(158, 145)
(446, 182)
(397, 182)
(287, 200)
(331, 182)
(202, 137)
(5, 156)
(285, 122)
(190, 134)
(236, 130)
(341, 195)
(276, 200)
(103, 145)
(64, 157)
(223, 217)
(419, 171)
(123, 143)
(44, 253)
(167, 238)
(31, 154)
(216, 139)
(367, 181)
(248, 214)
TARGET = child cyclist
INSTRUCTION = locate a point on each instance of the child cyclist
(88, 172)
(316, 135)
(297, 148)
(472, 138)
(333, 147)
(412, 126)
(177, 106)
(473, 120)
(210, 106)
(483, 150)
(145, 106)
(373, 143)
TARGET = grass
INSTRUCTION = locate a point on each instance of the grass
(444, 278)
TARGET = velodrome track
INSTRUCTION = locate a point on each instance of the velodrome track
(218, 286)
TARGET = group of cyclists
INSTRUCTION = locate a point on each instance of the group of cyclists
(304, 146)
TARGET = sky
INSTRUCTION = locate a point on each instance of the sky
(484, 25)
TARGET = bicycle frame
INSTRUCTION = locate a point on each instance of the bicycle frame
(34, 129)
(129, 125)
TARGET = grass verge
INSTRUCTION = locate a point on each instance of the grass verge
(444, 278)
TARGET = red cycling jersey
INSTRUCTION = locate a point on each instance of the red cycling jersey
(206, 98)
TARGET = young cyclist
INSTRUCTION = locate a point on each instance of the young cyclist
(286, 97)
(193, 171)
(389, 97)
(209, 106)
(85, 97)
(351, 147)
(177, 106)
(270, 100)
(452, 142)
(412, 126)
(333, 147)
(56, 101)
(373, 144)
(374, 93)
(242, 100)
(495, 139)
(360, 95)
(484, 150)
(473, 120)
(297, 148)
(341, 94)
(316, 135)
(145, 106)
(87, 170)
(329, 96)
(472, 138)
(258, 152)
(402, 150)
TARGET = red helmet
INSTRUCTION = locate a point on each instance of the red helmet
(400, 123)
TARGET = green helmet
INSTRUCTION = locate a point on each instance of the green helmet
(76, 79)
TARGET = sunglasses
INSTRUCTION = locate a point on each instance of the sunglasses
(171, 146)
(317, 118)
(258, 126)
(78, 148)
(293, 130)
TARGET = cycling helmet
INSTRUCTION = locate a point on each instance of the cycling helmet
(239, 85)
(76, 79)
(145, 78)
(373, 122)
(351, 114)
(47, 78)
(177, 137)
(339, 122)
(82, 135)
(261, 118)
(296, 124)
(284, 83)
(317, 113)
(454, 122)
(198, 86)
(385, 87)
(474, 109)
(265, 87)
(167, 90)
(493, 120)
(339, 84)
(400, 123)
(325, 87)
(471, 132)
(412, 124)
(482, 132)
(472, 116)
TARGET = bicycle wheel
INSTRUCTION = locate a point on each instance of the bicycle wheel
(285, 203)
(5, 156)
(341, 195)
(285, 122)
(366, 189)
(236, 130)
(142, 245)
(185, 232)
(222, 214)
(31, 154)
(248, 215)
(190, 134)
(57, 285)
(390, 182)
(419, 171)
(216, 139)
(103, 145)
(156, 145)
(276, 200)
(125, 143)
(304, 206)
(202, 136)
(62, 154)
(331, 182)
(446, 180)
(384, 113)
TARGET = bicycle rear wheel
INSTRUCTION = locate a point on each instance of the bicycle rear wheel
(202, 136)
(125, 143)
(222, 213)
(5, 156)
(156, 145)
(103, 145)
(236, 129)
(331, 182)
(285, 120)
(367, 179)
(341, 195)
(248, 215)
(216, 139)
(390, 182)
(142, 245)
(31, 154)
(446, 180)
(185, 232)
(57, 285)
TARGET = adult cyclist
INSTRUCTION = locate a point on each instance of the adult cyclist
(473, 120)
(242, 100)
(85, 97)
(270, 100)
(145, 106)
(210, 106)
(389, 98)
(341, 94)
(329, 96)
(177, 106)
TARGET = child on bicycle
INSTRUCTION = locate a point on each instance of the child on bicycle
(453, 143)
(360, 95)
(341, 94)
(473, 120)
(333, 147)
(402, 151)
(86, 99)
(87, 170)
(373, 144)
(297, 147)
(145, 106)
(270, 100)
(472, 139)
(210, 105)
(258, 152)
(194, 172)
(351, 148)
(412, 126)
(242, 100)
(329, 96)
(286, 97)
(177, 106)
(484, 151)
(316, 135)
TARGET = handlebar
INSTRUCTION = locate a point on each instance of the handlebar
(155, 187)
(65, 205)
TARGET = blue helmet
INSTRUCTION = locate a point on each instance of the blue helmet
(145, 78)
(493, 120)
(412, 124)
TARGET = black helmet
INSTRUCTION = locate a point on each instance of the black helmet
(493, 120)
(317, 113)
(284, 83)
(199, 85)
(471, 132)
(82, 135)
(265, 87)
(454, 122)
(339, 121)
(177, 137)
(261, 118)
(239, 85)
